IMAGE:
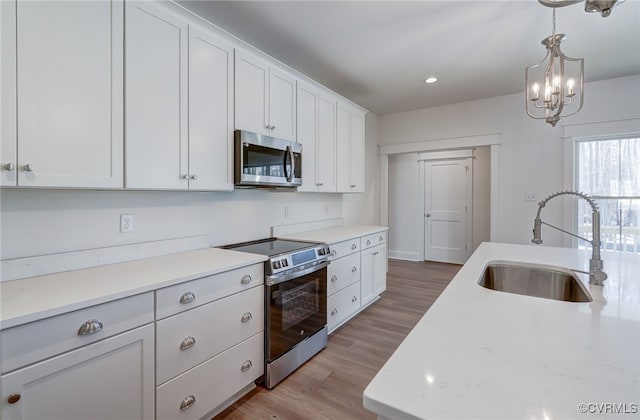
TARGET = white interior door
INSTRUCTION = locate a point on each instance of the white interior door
(447, 210)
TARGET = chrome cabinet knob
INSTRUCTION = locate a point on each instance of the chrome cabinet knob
(334, 312)
(334, 253)
(188, 401)
(246, 279)
(246, 317)
(13, 398)
(29, 167)
(354, 299)
(9, 167)
(375, 253)
(90, 327)
(353, 246)
(187, 343)
(334, 278)
(193, 177)
(354, 269)
(368, 242)
(352, 185)
(380, 239)
(187, 297)
(185, 176)
(246, 365)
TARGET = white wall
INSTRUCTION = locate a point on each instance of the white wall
(41, 222)
(531, 151)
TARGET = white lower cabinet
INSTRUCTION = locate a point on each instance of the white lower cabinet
(374, 272)
(213, 383)
(109, 379)
(342, 305)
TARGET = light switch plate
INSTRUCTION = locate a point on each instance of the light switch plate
(530, 196)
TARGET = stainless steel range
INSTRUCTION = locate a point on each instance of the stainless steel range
(295, 303)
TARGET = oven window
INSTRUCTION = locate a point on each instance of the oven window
(299, 304)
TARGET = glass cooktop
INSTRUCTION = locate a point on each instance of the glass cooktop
(270, 246)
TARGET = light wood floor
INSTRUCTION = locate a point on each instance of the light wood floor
(330, 385)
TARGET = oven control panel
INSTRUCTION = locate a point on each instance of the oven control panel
(296, 260)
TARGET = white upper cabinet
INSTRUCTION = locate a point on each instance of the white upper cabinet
(307, 134)
(326, 148)
(350, 149)
(64, 114)
(156, 98)
(210, 112)
(265, 98)
(179, 103)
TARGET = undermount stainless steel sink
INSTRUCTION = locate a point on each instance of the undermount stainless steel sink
(534, 280)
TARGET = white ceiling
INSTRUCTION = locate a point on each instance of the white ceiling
(377, 53)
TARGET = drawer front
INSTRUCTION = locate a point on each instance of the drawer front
(205, 387)
(174, 299)
(373, 239)
(343, 272)
(342, 305)
(39, 340)
(189, 338)
(342, 249)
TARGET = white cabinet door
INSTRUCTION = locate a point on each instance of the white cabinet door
(210, 112)
(156, 99)
(367, 259)
(69, 93)
(379, 269)
(282, 104)
(8, 145)
(109, 379)
(326, 143)
(357, 152)
(251, 93)
(307, 134)
(343, 148)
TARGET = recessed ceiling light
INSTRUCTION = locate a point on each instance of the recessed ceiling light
(431, 79)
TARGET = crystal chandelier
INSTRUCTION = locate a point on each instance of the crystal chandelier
(554, 86)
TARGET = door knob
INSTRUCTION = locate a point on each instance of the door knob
(427, 215)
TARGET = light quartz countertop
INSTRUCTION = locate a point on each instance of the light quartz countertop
(34, 298)
(335, 234)
(479, 353)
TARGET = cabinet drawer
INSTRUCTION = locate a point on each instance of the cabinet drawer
(48, 337)
(342, 305)
(373, 239)
(210, 384)
(344, 248)
(189, 338)
(343, 272)
(174, 299)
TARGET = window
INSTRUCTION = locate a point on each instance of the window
(609, 170)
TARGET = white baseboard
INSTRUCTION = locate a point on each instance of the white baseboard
(403, 255)
(20, 268)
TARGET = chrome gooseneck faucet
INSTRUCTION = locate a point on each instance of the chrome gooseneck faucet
(596, 275)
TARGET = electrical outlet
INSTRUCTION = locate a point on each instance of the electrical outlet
(126, 223)
(286, 211)
(530, 196)
(326, 209)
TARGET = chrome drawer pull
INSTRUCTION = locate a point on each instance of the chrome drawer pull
(368, 242)
(246, 279)
(246, 317)
(246, 366)
(187, 343)
(353, 246)
(187, 402)
(354, 269)
(187, 297)
(354, 299)
(334, 278)
(334, 312)
(90, 327)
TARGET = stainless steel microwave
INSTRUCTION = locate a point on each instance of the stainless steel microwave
(268, 162)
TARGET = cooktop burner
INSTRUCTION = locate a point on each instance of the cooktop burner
(270, 246)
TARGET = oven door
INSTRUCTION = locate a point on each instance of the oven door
(296, 309)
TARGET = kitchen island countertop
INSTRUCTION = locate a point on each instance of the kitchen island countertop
(479, 353)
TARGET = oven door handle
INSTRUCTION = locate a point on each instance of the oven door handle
(271, 280)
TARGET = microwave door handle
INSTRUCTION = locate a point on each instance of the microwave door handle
(291, 159)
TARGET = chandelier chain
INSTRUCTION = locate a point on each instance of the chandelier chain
(554, 22)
